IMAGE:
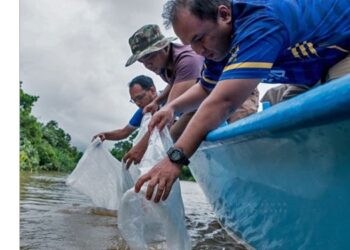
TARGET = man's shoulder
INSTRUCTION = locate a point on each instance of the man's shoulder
(180, 52)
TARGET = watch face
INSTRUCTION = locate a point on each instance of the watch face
(176, 155)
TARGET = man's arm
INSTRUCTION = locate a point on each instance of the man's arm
(187, 102)
(224, 99)
(160, 99)
(136, 153)
(179, 88)
(117, 134)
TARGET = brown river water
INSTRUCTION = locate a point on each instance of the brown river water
(53, 216)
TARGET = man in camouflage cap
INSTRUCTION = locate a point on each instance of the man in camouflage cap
(178, 65)
(146, 40)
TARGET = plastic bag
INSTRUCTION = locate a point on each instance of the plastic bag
(141, 221)
(134, 168)
(101, 177)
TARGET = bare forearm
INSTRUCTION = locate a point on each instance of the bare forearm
(190, 100)
(144, 140)
(114, 135)
(213, 111)
(179, 88)
(207, 118)
(119, 134)
(162, 98)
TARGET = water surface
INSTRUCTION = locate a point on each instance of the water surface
(53, 216)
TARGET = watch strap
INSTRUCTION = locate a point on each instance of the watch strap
(183, 160)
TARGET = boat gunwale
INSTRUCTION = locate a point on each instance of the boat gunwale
(323, 105)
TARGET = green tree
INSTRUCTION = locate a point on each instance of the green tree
(122, 147)
(43, 147)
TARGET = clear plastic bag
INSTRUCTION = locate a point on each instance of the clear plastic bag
(109, 185)
(143, 222)
(101, 177)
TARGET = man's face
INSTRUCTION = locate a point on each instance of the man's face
(155, 61)
(206, 37)
(140, 96)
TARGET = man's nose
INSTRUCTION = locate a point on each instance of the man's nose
(198, 48)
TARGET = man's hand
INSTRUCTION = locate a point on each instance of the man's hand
(161, 118)
(152, 107)
(101, 135)
(135, 154)
(164, 175)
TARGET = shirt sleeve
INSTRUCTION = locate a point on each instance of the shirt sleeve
(136, 119)
(255, 47)
(188, 67)
(211, 73)
(259, 41)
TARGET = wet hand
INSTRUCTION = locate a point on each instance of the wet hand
(134, 155)
(101, 135)
(164, 175)
(152, 107)
(161, 118)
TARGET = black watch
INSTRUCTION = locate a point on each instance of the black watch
(177, 156)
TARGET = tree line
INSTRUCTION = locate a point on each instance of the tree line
(43, 146)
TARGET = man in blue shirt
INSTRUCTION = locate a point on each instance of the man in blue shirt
(142, 92)
(245, 42)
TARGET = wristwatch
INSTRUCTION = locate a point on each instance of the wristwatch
(177, 156)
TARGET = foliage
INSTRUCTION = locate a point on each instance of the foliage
(186, 174)
(43, 147)
(122, 147)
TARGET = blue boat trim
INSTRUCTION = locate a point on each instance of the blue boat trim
(322, 105)
(280, 179)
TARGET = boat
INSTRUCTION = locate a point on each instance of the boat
(280, 179)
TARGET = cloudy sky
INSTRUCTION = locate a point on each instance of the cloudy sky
(72, 55)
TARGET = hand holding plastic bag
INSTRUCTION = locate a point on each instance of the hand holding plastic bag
(104, 179)
(101, 177)
(141, 221)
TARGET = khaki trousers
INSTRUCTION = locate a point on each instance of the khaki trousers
(250, 106)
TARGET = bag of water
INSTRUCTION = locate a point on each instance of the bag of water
(100, 176)
(143, 223)
(109, 185)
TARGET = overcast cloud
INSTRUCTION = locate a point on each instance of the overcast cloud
(72, 55)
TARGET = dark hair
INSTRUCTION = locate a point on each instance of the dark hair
(144, 81)
(203, 9)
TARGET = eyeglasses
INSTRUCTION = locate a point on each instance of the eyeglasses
(138, 98)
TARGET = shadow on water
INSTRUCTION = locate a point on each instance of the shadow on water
(53, 216)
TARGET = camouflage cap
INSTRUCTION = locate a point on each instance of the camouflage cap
(146, 40)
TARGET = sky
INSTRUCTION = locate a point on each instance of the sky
(72, 55)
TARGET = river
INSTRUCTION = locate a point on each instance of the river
(53, 216)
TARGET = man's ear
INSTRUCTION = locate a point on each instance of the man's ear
(224, 14)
